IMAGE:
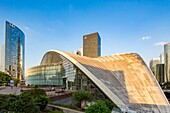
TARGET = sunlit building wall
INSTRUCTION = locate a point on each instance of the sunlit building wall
(14, 51)
(167, 61)
(162, 58)
(153, 63)
(92, 45)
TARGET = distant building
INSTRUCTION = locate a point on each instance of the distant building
(167, 61)
(162, 58)
(2, 58)
(92, 45)
(160, 73)
(79, 51)
(14, 51)
(153, 63)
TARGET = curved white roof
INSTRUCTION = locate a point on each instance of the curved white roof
(124, 78)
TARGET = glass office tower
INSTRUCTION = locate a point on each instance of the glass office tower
(14, 51)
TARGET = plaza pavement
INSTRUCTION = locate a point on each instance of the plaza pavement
(8, 90)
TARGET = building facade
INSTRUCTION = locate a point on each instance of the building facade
(14, 51)
(2, 58)
(46, 75)
(92, 45)
(162, 61)
(123, 78)
(167, 61)
(153, 64)
(78, 51)
(160, 73)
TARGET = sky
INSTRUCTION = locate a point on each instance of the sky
(125, 26)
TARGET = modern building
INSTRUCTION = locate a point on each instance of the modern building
(78, 51)
(46, 75)
(153, 63)
(14, 51)
(92, 45)
(167, 61)
(2, 58)
(160, 73)
(123, 78)
(162, 61)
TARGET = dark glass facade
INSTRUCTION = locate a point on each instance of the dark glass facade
(160, 73)
(14, 51)
(99, 45)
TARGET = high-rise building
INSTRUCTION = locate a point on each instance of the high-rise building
(167, 61)
(92, 45)
(14, 51)
(162, 58)
(2, 58)
(160, 73)
(153, 63)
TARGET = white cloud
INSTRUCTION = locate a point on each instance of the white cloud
(160, 43)
(146, 37)
(27, 28)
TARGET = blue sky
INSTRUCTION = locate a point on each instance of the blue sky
(125, 26)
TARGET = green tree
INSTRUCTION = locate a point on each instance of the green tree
(36, 92)
(39, 97)
(31, 101)
(109, 104)
(3, 99)
(19, 104)
(26, 104)
(10, 103)
(16, 81)
(81, 96)
(99, 107)
(4, 78)
(41, 101)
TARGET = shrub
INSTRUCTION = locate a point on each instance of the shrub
(39, 97)
(109, 104)
(21, 104)
(81, 96)
(98, 107)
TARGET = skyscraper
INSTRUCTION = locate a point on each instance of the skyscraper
(2, 58)
(14, 51)
(160, 73)
(162, 58)
(92, 45)
(167, 61)
(153, 63)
